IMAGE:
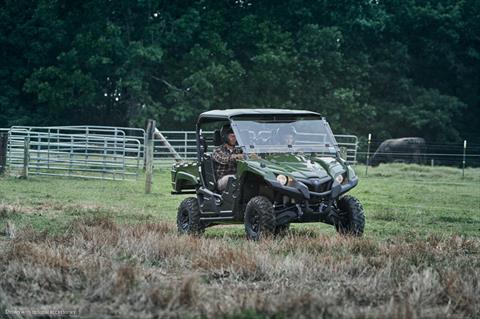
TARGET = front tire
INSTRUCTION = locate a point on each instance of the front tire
(188, 217)
(259, 218)
(352, 216)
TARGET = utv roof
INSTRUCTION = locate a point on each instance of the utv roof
(229, 113)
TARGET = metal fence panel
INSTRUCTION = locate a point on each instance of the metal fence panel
(109, 152)
(99, 153)
(350, 143)
(185, 144)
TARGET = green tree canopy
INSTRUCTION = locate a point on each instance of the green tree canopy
(393, 68)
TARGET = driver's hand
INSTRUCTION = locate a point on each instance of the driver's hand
(239, 156)
(254, 156)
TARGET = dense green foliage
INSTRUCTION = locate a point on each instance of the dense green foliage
(394, 68)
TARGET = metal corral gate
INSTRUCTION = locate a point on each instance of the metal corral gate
(185, 144)
(106, 152)
(76, 151)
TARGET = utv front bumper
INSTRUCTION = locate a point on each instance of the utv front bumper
(300, 191)
(309, 206)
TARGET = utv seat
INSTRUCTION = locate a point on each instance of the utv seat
(209, 166)
(217, 138)
(209, 169)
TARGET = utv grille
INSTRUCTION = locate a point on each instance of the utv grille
(319, 185)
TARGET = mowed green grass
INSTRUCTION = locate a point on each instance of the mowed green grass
(399, 200)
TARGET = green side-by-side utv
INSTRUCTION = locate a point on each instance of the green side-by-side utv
(279, 181)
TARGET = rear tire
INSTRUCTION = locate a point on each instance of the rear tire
(259, 218)
(352, 216)
(188, 217)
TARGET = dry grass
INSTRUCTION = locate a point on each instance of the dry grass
(104, 269)
(40, 208)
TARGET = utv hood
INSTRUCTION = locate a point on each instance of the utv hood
(300, 167)
(313, 177)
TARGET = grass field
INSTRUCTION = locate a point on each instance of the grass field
(106, 249)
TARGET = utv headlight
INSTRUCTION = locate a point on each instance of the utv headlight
(282, 179)
(339, 179)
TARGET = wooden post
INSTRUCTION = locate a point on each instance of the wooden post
(3, 152)
(464, 155)
(149, 148)
(368, 153)
(26, 157)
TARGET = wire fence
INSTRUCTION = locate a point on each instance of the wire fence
(104, 152)
(458, 154)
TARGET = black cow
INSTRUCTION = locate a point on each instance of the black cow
(405, 150)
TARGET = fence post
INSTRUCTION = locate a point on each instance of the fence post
(26, 157)
(464, 155)
(3, 152)
(185, 141)
(144, 151)
(368, 153)
(149, 156)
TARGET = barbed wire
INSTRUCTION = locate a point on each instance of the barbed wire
(418, 154)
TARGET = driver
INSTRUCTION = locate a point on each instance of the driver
(226, 156)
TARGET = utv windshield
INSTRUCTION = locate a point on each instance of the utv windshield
(285, 135)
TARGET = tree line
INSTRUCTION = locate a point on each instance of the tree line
(395, 68)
